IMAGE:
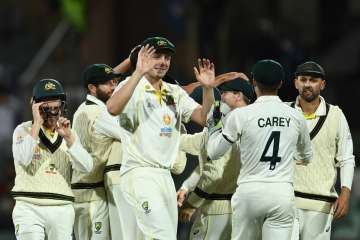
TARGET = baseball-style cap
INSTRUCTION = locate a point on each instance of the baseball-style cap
(268, 72)
(160, 43)
(310, 68)
(238, 85)
(98, 73)
(48, 89)
(197, 93)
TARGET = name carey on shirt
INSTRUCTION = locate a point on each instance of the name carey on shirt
(274, 122)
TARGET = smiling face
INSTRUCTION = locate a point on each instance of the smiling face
(162, 64)
(309, 87)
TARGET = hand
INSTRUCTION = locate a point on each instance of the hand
(64, 129)
(181, 196)
(145, 60)
(185, 214)
(38, 119)
(341, 205)
(206, 73)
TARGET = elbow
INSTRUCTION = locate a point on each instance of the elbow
(111, 108)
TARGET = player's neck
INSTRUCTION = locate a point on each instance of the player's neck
(309, 107)
(155, 82)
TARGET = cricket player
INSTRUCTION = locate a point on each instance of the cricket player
(45, 152)
(151, 111)
(91, 207)
(270, 135)
(315, 196)
(217, 183)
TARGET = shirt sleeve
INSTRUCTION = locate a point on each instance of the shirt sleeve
(192, 143)
(303, 147)
(80, 158)
(220, 142)
(191, 182)
(344, 155)
(23, 146)
(187, 105)
(179, 164)
(109, 126)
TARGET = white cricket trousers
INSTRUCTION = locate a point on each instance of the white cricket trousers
(113, 196)
(92, 220)
(263, 210)
(312, 225)
(35, 222)
(211, 227)
(148, 206)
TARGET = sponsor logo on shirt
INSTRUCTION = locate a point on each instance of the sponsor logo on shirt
(165, 132)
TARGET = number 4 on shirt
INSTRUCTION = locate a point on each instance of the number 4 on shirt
(274, 137)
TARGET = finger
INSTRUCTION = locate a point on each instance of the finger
(212, 67)
(196, 72)
(199, 63)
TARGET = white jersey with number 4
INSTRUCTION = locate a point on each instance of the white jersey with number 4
(271, 136)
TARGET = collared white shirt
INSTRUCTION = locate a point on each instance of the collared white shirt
(152, 122)
(271, 135)
(344, 143)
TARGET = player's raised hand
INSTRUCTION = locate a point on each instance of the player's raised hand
(38, 119)
(206, 73)
(64, 129)
(145, 61)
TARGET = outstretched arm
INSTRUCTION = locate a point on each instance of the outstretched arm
(206, 76)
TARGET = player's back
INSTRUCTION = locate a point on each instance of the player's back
(270, 132)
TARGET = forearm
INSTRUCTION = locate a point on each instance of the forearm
(81, 159)
(217, 146)
(123, 67)
(116, 104)
(190, 183)
(23, 150)
(347, 174)
(208, 101)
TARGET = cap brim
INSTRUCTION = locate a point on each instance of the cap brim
(310, 73)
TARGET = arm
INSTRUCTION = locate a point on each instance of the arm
(109, 126)
(221, 142)
(303, 152)
(192, 143)
(24, 144)
(23, 147)
(116, 104)
(179, 164)
(188, 185)
(123, 67)
(346, 161)
(206, 76)
(80, 158)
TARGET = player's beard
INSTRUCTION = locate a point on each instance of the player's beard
(103, 96)
(309, 95)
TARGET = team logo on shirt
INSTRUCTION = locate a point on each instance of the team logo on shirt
(145, 206)
(167, 119)
(98, 226)
(17, 227)
(51, 169)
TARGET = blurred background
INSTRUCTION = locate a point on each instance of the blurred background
(59, 38)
